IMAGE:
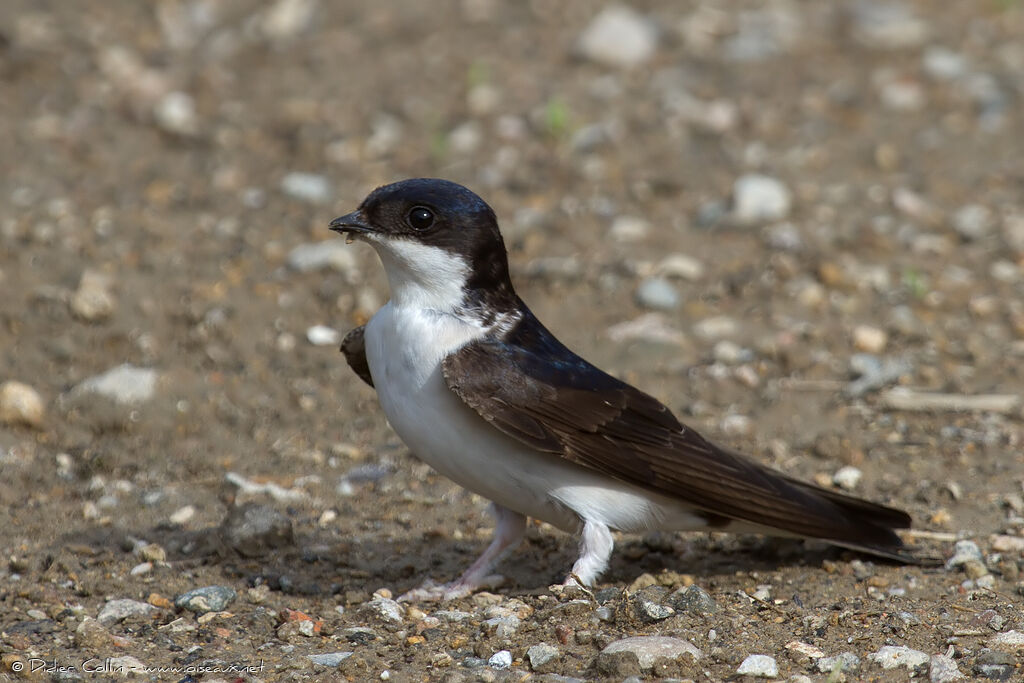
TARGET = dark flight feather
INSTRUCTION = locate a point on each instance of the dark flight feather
(354, 348)
(531, 387)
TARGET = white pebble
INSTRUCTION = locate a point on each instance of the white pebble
(175, 113)
(717, 327)
(681, 266)
(618, 36)
(761, 666)
(321, 335)
(502, 659)
(92, 301)
(759, 198)
(183, 514)
(657, 293)
(310, 187)
(629, 229)
(894, 656)
(847, 477)
(20, 404)
(869, 339)
(124, 384)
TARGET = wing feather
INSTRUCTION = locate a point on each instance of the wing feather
(535, 390)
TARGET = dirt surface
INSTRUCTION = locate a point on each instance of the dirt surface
(150, 203)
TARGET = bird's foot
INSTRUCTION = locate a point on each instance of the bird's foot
(429, 591)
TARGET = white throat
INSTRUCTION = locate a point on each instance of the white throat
(421, 276)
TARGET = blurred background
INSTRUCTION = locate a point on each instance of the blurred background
(767, 214)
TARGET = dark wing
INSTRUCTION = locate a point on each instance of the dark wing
(354, 348)
(532, 388)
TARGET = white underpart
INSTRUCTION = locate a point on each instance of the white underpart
(407, 340)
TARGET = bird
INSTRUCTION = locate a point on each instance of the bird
(477, 387)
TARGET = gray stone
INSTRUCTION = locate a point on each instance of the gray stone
(1010, 640)
(943, 64)
(206, 599)
(693, 600)
(309, 187)
(124, 384)
(887, 25)
(504, 626)
(896, 656)
(540, 655)
(334, 254)
(759, 199)
(647, 604)
(287, 18)
(118, 610)
(995, 665)
(619, 37)
(964, 552)
(254, 529)
(502, 659)
(657, 293)
(761, 666)
(973, 222)
(847, 661)
(331, 659)
(943, 669)
(383, 609)
(649, 649)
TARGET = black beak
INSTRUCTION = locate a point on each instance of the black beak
(351, 222)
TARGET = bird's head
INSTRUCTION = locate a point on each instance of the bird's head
(438, 241)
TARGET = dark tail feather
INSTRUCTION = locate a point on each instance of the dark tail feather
(871, 526)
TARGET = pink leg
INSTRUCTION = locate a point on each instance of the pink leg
(509, 530)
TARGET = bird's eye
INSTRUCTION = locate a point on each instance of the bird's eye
(420, 218)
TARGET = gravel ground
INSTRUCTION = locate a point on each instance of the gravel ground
(799, 224)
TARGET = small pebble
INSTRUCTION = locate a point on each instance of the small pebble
(20, 404)
(618, 37)
(309, 187)
(973, 222)
(182, 515)
(692, 600)
(175, 113)
(206, 599)
(869, 339)
(384, 609)
(896, 656)
(847, 477)
(92, 301)
(331, 659)
(943, 669)
(118, 610)
(321, 335)
(649, 649)
(760, 666)
(963, 552)
(540, 655)
(333, 254)
(124, 384)
(846, 661)
(1008, 640)
(716, 327)
(657, 293)
(680, 266)
(629, 229)
(759, 199)
(502, 659)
